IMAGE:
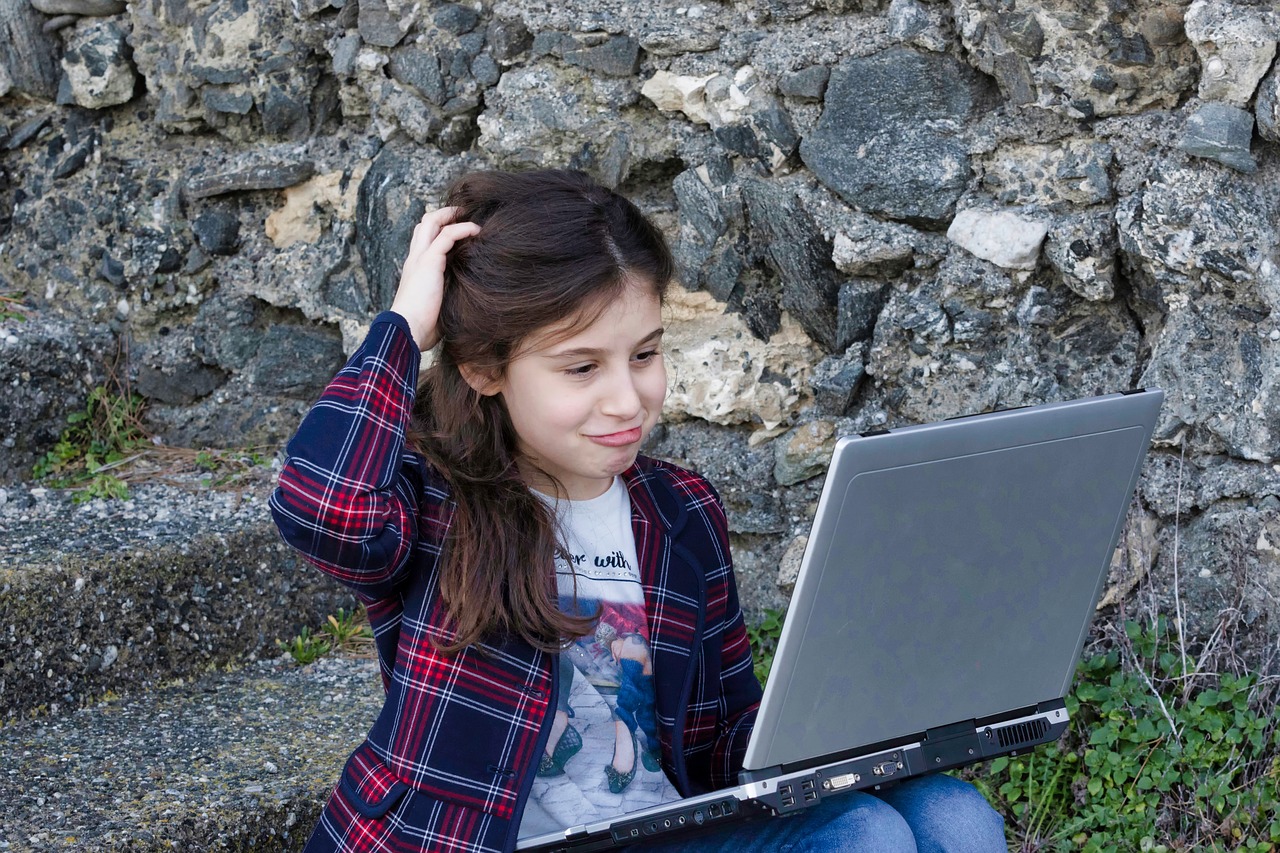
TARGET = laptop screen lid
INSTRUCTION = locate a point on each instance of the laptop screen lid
(951, 574)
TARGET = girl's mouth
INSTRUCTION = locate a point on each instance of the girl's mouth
(618, 439)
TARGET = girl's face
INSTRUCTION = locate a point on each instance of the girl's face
(582, 404)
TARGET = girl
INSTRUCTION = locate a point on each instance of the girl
(492, 515)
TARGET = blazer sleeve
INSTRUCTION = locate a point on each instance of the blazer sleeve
(739, 690)
(344, 498)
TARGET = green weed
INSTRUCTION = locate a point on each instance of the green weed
(346, 631)
(99, 439)
(764, 641)
(11, 306)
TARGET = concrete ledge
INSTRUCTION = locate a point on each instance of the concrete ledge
(232, 761)
(120, 595)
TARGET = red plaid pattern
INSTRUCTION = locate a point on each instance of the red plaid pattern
(451, 758)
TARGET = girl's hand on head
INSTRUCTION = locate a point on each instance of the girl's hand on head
(422, 277)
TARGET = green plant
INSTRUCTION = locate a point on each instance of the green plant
(346, 631)
(764, 641)
(349, 630)
(11, 307)
(99, 440)
(1162, 755)
(306, 647)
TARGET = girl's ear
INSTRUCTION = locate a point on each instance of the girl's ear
(485, 383)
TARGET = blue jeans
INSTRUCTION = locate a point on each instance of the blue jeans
(929, 814)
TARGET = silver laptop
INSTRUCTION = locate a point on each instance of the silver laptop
(942, 604)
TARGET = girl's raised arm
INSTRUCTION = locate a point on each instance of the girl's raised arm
(347, 497)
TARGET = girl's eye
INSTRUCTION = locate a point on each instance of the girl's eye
(646, 356)
(580, 370)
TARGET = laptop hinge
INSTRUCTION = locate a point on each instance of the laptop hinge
(951, 746)
(746, 777)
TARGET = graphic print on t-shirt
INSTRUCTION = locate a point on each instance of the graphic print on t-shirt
(602, 757)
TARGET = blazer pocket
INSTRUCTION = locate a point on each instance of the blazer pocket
(367, 784)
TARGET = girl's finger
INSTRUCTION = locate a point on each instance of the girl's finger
(429, 226)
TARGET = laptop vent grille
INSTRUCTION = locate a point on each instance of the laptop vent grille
(1018, 734)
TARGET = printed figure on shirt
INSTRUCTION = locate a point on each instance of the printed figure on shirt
(525, 694)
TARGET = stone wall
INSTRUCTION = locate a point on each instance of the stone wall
(885, 213)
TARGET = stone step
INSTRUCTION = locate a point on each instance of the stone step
(232, 761)
(114, 595)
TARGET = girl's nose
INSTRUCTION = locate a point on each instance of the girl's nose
(623, 398)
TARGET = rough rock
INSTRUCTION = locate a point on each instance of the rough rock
(28, 55)
(1221, 132)
(1235, 43)
(257, 176)
(97, 65)
(233, 761)
(1082, 248)
(51, 365)
(1082, 61)
(924, 25)
(889, 140)
(1007, 238)
(835, 381)
(1267, 108)
(803, 453)
(162, 586)
(89, 8)
(1053, 175)
(539, 116)
(800, 257)
(721, 373)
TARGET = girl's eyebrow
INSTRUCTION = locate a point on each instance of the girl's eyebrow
(595, 352)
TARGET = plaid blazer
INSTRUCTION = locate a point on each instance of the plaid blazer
(450, 760)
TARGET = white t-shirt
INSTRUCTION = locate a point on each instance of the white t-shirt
(606, 678)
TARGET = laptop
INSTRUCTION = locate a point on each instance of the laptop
(942, 604)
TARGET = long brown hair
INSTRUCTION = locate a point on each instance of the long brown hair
(553, 247)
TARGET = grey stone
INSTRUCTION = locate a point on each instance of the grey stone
(800, 256)
(221, 100)
(1221, 132)
(296, 361)
(835, 381)
(485, 70)
(456, 19)
(88, 8)
(225, 332)
(804, 452)
(1267, 106)
(97, 65)
(1022, 32)
(378, 25)
(217, 232)
(508, 38)
(178, 382)
(743, 474)
(111, 270)
(285, 116)
(52, 364)
(344, 55)
(666, 38)
(419, 70)
(907, 19)
(270, 175)
(860, 304)
(28, 54)
(616, 56)
(699, 207)
(889, 139)
(1082, 248)
(28, 131)
(807, 84)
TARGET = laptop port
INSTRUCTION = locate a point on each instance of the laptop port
(844, 780)
(886, 768)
